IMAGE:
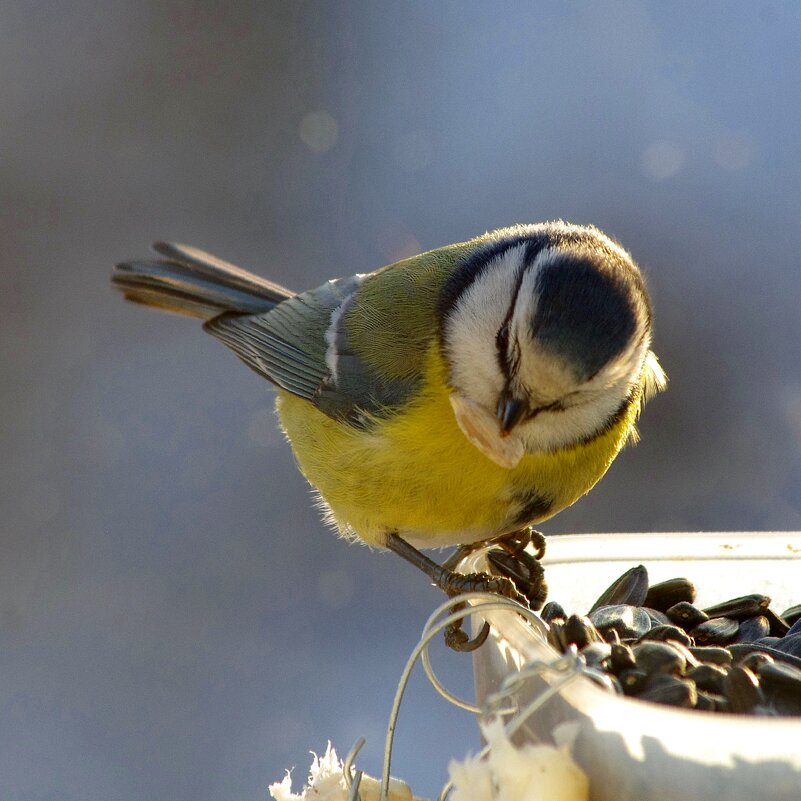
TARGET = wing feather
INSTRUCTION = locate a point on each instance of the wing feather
(287, 345)
(354, 347)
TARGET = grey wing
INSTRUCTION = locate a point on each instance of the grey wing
(300, 346)
(287, 344)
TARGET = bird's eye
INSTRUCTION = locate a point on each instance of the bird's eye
(502, 337)
(502, 344)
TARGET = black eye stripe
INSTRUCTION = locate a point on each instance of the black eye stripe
(508, 352)
(502, 348)
(502, 338)
(471, 267)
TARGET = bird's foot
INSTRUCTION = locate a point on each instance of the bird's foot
(511, 559)
(453, 584)
(457, 638)
(457, 583)
(517, 541)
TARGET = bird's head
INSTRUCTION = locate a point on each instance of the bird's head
(546, 330)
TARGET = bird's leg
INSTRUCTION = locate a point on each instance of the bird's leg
(511, 559)
(447, 580)
(452, 584)
(455, 636)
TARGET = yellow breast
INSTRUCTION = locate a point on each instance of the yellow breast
(415, 473)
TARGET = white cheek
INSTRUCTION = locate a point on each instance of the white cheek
(471, 329)
(601, 399)
(553, 430)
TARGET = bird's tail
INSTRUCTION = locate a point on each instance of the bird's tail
(188, 281)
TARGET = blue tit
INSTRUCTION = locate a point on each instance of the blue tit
(453, 397)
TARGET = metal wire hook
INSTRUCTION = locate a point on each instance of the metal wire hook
(488, 602)
(347, 765)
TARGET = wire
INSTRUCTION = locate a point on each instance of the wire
(480, 602)
(350, 780)
(499, 704)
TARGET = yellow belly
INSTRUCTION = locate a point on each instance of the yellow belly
(418, 475)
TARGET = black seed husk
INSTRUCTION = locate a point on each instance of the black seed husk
(741, 689)
(672, 691)
(665, 594)
(669, 632)
(778, 625)
(736, 656)
(740, 608)
(631, 588)
(754, 628)
(686, 615)
(630, 622)
(715, 631)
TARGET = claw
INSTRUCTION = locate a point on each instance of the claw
(454, 584)
(456, 638)
(511, 559)
(526, 573)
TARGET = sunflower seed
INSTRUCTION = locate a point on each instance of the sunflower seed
(631, 588)
(792, 614)
(791, 644)
(654, 644)
(672, 691)
(686, 615)
(669, 632)
(665, 594)
(709, 702)
(754, 660)
(633, 681)
(621, 658)
(741, 689)
(740, 608)
(551, 611)
(630, 622)
(712, 654)
(778, 625)
(779, 676)
(739, 650)
(715, 631)
(597, 655)
(754, 628)
(580, 631)
(708, 677)
(657, 618)
(658, 658)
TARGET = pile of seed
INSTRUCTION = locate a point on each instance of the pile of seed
(653, 643)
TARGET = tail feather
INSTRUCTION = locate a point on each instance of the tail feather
(189, 281)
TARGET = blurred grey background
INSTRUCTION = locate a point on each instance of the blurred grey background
(175, 622)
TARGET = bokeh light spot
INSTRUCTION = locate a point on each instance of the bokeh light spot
(319, 131)
(395, 241)
(662, 159)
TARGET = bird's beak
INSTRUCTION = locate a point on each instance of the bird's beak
(510, 412)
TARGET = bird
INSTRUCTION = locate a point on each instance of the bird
(456, 397)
